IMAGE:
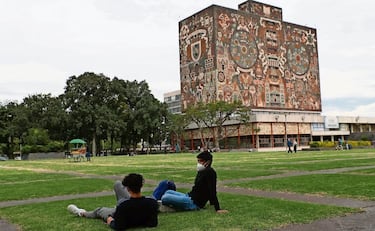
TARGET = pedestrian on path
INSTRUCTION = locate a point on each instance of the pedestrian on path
(295, 145)
(289, 144)
(132, 210)
(88, 155)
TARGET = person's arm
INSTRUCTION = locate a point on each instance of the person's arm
(111, 222)
(153, 221)
(213, 193)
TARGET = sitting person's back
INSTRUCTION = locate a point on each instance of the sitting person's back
(132, 210)
(136, 212)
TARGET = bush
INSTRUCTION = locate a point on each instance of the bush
(322, 144)
(314, 144)
(331, 144)
(26, 149)
(359, 143)
(3, 148)
(55, 146)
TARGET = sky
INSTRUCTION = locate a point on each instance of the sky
(44, 42)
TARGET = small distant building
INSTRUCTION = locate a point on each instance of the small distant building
(173, 101)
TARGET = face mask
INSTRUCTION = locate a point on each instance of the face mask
(200, 167)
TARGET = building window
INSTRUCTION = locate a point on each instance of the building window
(279, 141)
(317, 126)
(264, 141)
(304, 140)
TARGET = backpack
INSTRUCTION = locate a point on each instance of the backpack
(163, 186)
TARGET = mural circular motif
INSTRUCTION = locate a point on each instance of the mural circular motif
(221, 76)
(298, 58)
(243, 49)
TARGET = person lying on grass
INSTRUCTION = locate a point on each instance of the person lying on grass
(204, 189)
(132, 210)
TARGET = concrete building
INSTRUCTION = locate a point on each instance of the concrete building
(253, 56)
(173, 101)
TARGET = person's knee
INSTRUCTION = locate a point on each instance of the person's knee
(167, 198)
(117, 184)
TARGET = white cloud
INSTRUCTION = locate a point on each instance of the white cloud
(366, 110)
(339, 83)
(49, 40)
(16, 84)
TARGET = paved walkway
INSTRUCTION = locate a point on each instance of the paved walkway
(364, 221)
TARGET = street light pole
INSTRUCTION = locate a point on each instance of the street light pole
(285, 132)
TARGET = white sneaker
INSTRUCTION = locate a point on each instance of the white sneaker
(75, 210)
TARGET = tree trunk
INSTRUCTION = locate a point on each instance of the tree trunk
(93, 151)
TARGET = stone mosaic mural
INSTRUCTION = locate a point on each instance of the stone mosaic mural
(249, 55)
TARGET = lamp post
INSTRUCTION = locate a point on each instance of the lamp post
(10, 138)
(272, 136)
(285, 132)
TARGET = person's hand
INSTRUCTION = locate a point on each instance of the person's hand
(222, 211)
(109, 219)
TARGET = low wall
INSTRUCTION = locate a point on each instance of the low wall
(48, 155)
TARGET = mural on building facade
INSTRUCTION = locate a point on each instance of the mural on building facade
(255, 58)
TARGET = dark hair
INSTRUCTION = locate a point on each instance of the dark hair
(133, 182)
(206, 156)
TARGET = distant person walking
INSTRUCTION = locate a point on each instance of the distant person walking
(88, 155)
(289, 144)
(295, 145)
(339, 144)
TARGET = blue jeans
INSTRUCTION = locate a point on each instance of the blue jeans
(178, 200)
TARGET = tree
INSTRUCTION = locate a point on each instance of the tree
(210, 119)
(47, 112)
(86, 101)
(93, 108)
(176, 125)
(15, 124)
(143, 113)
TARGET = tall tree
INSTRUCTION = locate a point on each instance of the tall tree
(47, 112)
(86, 100)
(144, 113)
(14, 126)
(176, 125)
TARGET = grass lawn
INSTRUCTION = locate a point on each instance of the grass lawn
(342, 185)
(246, 213)
(34, 179)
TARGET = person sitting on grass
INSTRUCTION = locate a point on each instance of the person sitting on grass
(204, 189)
(132, 210)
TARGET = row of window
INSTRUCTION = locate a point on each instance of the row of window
(172, 98)
(246, 142)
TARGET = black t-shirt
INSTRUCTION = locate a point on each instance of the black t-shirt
(204, 188)
(135, 212)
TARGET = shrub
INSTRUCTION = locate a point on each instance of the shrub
(55, 146)
(26, 149)
(314, 144)
(331, 144)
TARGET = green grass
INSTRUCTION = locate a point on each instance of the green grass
(19, 185)
(44, 178)
(342, 185)
(246, 213)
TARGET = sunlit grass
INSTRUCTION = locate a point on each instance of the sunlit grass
(246, 213)
(53, 177)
